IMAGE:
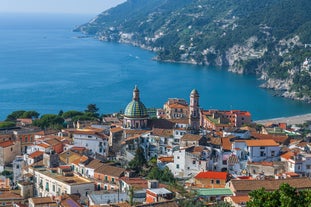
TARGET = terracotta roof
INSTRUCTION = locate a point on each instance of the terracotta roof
(53, 141)
(9, 195)
(180, 121)
(171, 203)
(36, 154)
(240, 199)
(278, 138)
(110, 170)
(191, 137)
(94, 164)
(212, 174)
(261, 143)
(69, 156)
(80, 160)
(43, 145)
(177, 106)
(288, 155)
(6, 144)
(166, 159)
(116, 129)
(162, 132)
(215, 140)
(42, 200)
(270, 185)
(78, 148)
(226, 144)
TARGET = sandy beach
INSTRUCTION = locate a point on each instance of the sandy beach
(299, 119)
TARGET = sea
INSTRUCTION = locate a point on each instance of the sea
(46, 67)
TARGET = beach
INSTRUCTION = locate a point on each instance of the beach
(299, 119)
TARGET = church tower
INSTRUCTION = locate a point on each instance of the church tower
(194, 110)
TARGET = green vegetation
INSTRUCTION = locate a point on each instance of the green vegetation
(285, 196)
(22, 115)
(53, 121)
(6, 124)
(204, 31)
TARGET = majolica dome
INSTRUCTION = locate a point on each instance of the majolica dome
(194, 91)
(135, 109)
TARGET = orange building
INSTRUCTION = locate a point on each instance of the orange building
(107, 177)
(211, 179)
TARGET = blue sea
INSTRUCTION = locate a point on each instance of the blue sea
(46, 67)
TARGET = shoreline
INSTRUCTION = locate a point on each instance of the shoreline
(290, 120)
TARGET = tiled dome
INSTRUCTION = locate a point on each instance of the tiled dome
(135, 109)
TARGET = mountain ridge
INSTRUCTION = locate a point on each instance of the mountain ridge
(269, 38)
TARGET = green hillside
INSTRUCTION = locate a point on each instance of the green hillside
(269, 38)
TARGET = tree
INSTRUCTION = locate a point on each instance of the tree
(30, 115)
(71, 114)
(49, 121)
(92, 110)
(15, 115)
(7, 124)
(139, 160)
(22, 114)
(285, 196)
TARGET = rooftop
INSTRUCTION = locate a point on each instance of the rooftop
(212, 174)
(73, 180)
(214, 191)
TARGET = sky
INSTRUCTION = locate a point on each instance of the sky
(57, 6)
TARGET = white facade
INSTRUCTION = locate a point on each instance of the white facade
(260, 151)
(53, 184)
(301, 163)
(18, 165)
(267, 153)
(186, 164)
(96, 143)
(243, 134)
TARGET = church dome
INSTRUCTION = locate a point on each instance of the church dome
(135, 109)
(194, 91)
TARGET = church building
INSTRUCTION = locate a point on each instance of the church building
(135, 114)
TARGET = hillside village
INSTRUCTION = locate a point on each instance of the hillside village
(212, 156)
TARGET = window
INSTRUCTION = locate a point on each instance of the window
(177, 166)
(112, 180)
(217, 181)
(224, 162)
(177, 157)
(262, 147)
(106, 177)
(272, 153)
(53, 187)
(262, 154)
(212, 181)
(89, 136)
(308, 167)
(193, 162)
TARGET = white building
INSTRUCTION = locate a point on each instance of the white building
(259, 150)
(298, 162)
(92, 139)
(55, 183)
(188, 163)
(243, 134)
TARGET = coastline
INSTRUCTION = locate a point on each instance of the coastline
(298, 119)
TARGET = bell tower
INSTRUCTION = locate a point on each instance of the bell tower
(194, 110)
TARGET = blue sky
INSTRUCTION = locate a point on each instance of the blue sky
(57, 6)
